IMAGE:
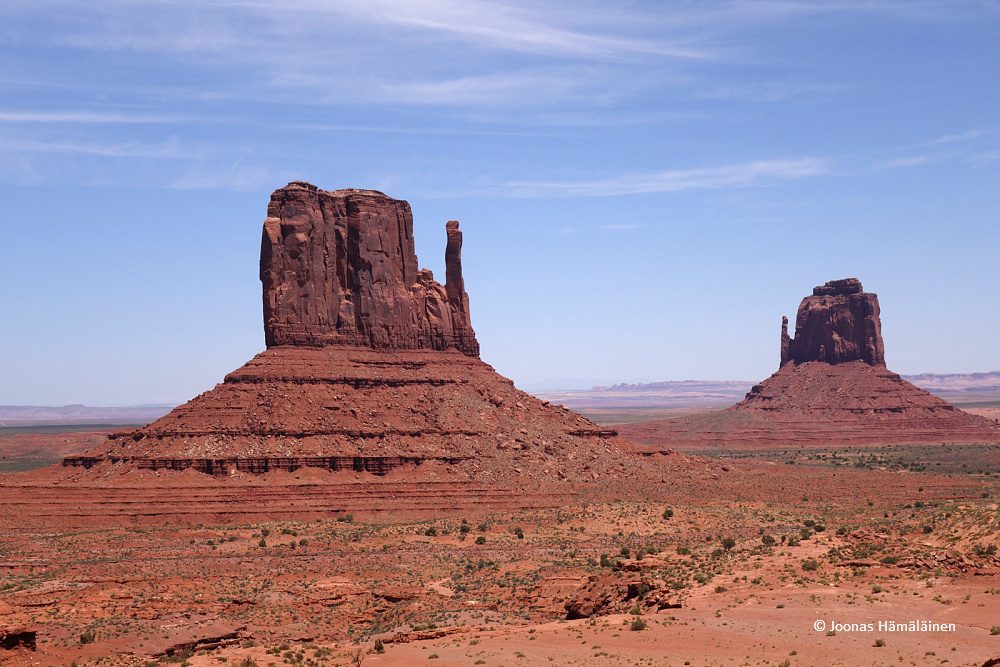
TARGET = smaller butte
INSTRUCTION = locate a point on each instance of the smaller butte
(832, 388)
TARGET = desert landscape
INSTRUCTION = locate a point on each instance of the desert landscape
(368, 491)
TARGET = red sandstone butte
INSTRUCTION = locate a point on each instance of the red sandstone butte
(837, 324)
(370, 393)
(339, 268)
(832, 388)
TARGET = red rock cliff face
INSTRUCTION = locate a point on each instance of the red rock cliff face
(339, 268)
(837, 324)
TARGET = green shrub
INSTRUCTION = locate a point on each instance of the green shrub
(637, 625)
(480, 540)
(995, 630)
(810, 565)
(379, 646)
(667, 513)
(519, 532)
(728, 543)
(465, 528)
(431, 532)
(624, 551)
(768, 540)
(605, 561)
(87, 637)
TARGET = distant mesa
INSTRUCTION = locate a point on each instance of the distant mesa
(832, 388)
(371, 370)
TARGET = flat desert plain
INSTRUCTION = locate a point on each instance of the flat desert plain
(784, 558)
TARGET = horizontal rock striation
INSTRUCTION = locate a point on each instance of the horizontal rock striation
(838, 323)
(376, 465)
(339, 268)
(340, 408)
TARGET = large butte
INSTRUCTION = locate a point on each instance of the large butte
(371, 377)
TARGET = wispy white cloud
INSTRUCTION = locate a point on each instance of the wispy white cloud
(87, 117)
(170, 149)
(749, 174)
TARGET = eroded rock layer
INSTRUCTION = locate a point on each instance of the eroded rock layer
(356, 409)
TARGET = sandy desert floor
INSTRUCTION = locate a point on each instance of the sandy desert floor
(737, 572)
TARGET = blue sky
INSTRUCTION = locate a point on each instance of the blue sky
(645, 187)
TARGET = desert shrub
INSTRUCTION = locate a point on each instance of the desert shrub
(431, 532)
(483, 527)
(637, 625)
(605, 561)
(995, 630)
(303, 542)
(247, 662)
(793, 541)
(918, 504)
(519, 532)
(819, 528)
(379, 646)
(810, 565)
(768, 540)
(465, 528)
(683, 551)
(480, 540)
(667, 513)
(928, 529)
(809, 523)
(980, 550)
(288, 531)
(262, 543)
(346, 518)
(265, 532)
(721, 589)
(804, 533)
(88, 637)
(890, 560)
(625, 551)
(728, 543)
(879, 643)
(876, 589)
(842, 530)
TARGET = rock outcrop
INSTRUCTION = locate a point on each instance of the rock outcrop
(371, 370)
(831, 388)
(339, 268)
(837, 324)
